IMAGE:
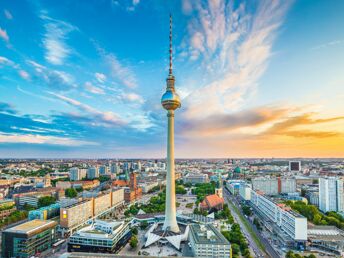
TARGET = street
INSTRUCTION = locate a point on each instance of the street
(270, 251)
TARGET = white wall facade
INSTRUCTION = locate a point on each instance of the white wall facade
(293, 224)
(268, 185)
(331, 194)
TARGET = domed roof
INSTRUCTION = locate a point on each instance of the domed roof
(237, 170)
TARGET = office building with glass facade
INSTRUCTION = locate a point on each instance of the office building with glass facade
(28, 239)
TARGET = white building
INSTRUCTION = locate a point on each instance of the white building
(313, 198)
(92, 172)
(267, 185)
(274, 186)
(289, 222)
(74, 174)
(207, 241)
(245, 192)
(233, 186)
(331, 194)
(196, 178)
(287, 185)
(101, 236)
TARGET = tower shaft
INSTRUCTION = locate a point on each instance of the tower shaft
(170, 208)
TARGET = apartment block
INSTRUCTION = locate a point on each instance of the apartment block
(289, 222)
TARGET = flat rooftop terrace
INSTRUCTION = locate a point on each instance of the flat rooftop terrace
(32, 226)
(200, 235)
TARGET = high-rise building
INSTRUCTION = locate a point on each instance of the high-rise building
(267, 185)
(115, 169)
(294, 166)
(103, 170)
(28, 239)
(74, 174)
(286, 185)
(126, 166)
(92, 172)
(274, 186)
(331, 194)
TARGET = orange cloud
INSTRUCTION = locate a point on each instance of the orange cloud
(264, 132)
(286, 127)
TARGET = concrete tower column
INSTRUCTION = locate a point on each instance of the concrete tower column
(170, 210)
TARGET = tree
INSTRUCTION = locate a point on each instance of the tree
(235, 248)
(317, 219)
(28, 207)
(71, 193)
(104, 178)
(247, 210)
(144, 225)
(290, 254)
(303, 192)
(79, 189)
(134, 231)
(180, 189)
(133, 242)
(46, 201)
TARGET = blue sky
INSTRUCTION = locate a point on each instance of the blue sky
(257, 78)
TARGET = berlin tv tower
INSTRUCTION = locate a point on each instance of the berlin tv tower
(170, 101)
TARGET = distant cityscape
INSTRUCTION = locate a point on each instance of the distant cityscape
(279, 206)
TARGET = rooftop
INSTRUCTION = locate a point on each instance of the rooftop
(207, 234)
(101, 229)
(325, 233)
(32, 226)
(212, 200)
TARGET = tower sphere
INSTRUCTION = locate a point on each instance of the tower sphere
(170, 100)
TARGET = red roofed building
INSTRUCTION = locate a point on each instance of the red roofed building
(120, 183)
(211, 203)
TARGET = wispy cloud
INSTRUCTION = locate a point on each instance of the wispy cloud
(42, 139)
(121, 72)
(132, 97)
(4, 35)
(328, 44)
(8, 15)
(23, 74)
(106, 118)
(292, 126)
(233, 45)
(6, 61)
(7, 108)
(57, 50)
(224, 124)
(100, 77)
(55, 79)
(93, 89)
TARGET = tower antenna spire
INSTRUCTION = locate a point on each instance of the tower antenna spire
(170, 68)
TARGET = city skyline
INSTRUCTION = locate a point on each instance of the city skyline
(256, 79)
